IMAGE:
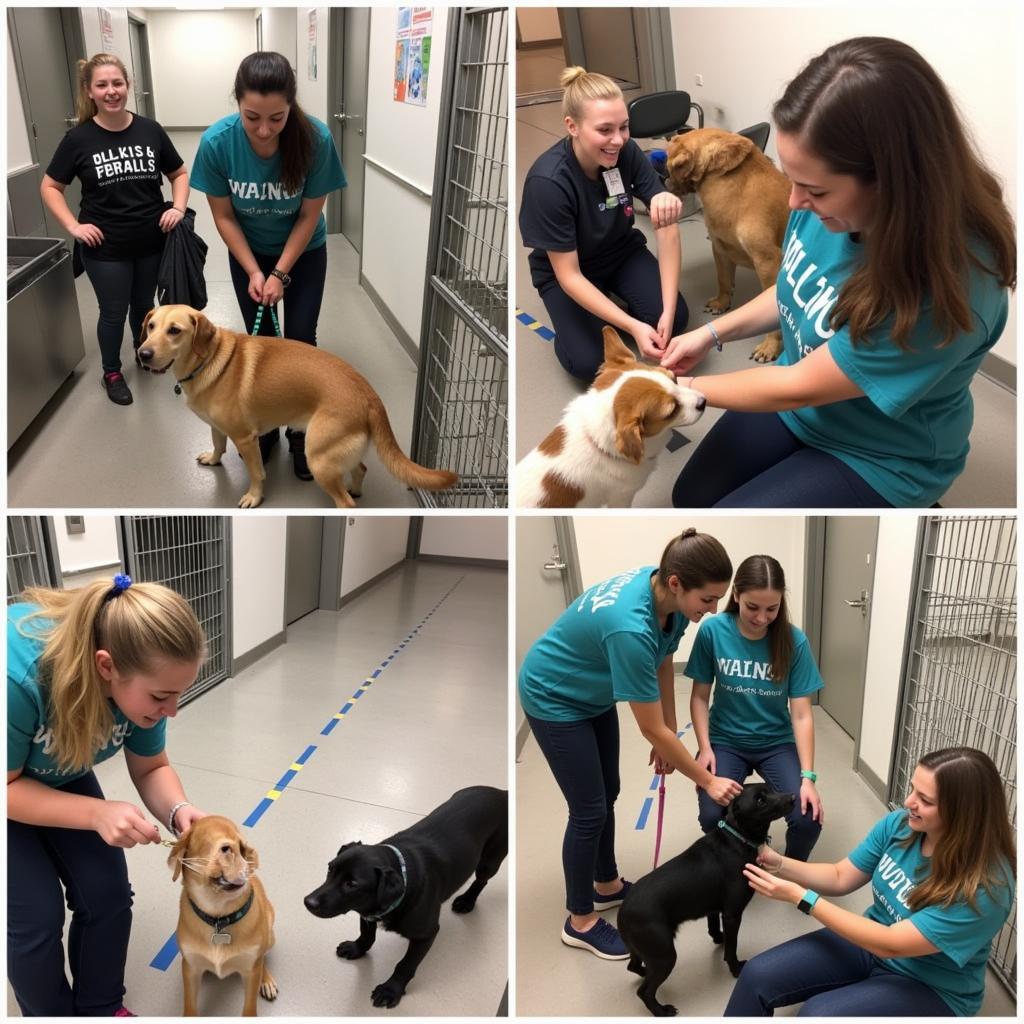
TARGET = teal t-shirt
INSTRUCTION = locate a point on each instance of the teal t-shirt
(749, 711)
(605, 647)
(226, 165)
(962, 935)
(908, 436)
(29, 738)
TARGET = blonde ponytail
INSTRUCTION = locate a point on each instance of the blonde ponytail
(580, 85)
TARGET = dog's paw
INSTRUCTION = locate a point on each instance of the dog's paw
(717, 304)
(388, 994)
(734, 969)
(350, 950)
(463, 904)
(665, 1010)
(208, 459)
(268, 987)
(768, 350)
(250, 500)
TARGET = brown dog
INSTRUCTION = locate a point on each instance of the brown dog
(746, 205)
(244, 386)
(219, 885)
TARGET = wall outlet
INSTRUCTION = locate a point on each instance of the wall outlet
(700, 79)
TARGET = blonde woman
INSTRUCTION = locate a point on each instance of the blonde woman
(119, 157)
(88, 672)
(942, 874)
(577, 217)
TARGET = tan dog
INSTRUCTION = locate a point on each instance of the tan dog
(244, 386)
(604, 449)
(217, 874)
(746, 205)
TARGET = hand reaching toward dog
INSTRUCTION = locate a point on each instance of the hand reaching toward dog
(648, 340)
(123, 824)
(773, 887)
(665, 209)
(186, 817)
(685, 351)
(809, 798)
(723, 790)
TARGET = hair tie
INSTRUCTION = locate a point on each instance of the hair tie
(121, 584)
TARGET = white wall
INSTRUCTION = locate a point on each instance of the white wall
(84, 551)
(194, 56)
(279, 31)
(890, 604)
(403, 137)
(609, 544)
(19, 151)
(312, 95)
(465, 536)
(748, 55)
(372, 544)
(258, 583)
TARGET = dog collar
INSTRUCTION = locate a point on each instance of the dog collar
(185, 380)
(743, 838)
(405, 880)
(220, 923)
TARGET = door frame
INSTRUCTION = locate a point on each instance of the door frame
(144, 73)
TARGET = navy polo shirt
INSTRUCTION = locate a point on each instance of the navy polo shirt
(562, 210)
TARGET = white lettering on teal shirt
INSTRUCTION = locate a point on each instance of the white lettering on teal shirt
(900, 886)
(817, 305)
(260, 190)
(744, 669)
(604, 595)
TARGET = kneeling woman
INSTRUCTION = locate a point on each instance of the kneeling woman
(761, 719)
(577, 216)
(942, 875)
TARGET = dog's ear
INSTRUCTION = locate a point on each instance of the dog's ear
(177, 856)
(629, 438)
(202, 335)
(348, 846)
(680, 166)
(389, 886)
(615, 351)
(249, 854)
(727, 152)
(145, 326)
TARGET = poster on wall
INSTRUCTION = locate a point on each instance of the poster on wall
(311, 46)
(412, 54)
(106, 31)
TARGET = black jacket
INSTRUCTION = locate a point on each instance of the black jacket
(180, 280)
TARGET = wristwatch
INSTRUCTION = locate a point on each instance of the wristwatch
(807, 901)
(284, 278)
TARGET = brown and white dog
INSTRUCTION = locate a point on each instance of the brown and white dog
(745, 199)
(225, 921)
(603, 450)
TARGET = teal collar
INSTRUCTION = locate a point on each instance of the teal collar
(742, 838)
(401, 895)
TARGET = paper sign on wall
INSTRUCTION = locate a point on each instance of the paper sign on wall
(311, 47)
(106, 30)
(412, 54)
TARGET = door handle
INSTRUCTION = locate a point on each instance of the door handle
(555, 564)
(862, 604)
(348, 117)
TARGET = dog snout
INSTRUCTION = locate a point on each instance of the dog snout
(146, 355)
(312, 903)
(701, 403)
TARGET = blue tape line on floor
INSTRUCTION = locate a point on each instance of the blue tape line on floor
(169, 951)
(531, 324)
(641, 822)
(655, 784)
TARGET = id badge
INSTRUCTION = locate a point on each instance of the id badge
(613, 181)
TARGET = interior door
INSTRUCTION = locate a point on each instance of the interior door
(304, 554)
(608, 40)
(141, 86)
(47, 90)
(351, 115)
(847, 584)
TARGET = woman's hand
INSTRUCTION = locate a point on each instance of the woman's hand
(809, 798)
(170, 219)
(256, 284)
(722, 790)
(685, 351)
(661, 767)
(772, 887)
(186, 817)
(123, 824)
(665, 209)
(706, 759)
(647, 340)
(87, 234)
(273, 290)
(664, 327)
(769, 859)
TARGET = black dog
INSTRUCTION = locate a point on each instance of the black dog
(704, 880)
(402, 882)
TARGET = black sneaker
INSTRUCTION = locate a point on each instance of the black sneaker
(117, 388)
(297, 446)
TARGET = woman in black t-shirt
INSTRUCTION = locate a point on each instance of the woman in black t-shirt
(119, 158)
(577, 216)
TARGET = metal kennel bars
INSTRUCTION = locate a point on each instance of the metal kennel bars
(191, 555)
(960, 671)
(28, 560)
(461, 417)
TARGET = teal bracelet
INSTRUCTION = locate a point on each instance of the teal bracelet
(805, 774)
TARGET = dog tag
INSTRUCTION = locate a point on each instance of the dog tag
(222, 938)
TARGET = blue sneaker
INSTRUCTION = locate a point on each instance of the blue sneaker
(602, 940)
(614, 899)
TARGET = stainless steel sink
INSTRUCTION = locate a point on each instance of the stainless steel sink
(27, 258)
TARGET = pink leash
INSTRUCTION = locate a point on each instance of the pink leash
(661, 819)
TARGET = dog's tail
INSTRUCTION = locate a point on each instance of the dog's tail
(396, 462)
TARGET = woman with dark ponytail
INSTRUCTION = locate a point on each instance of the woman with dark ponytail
(615, 644)
(764, 677)
(267, 172)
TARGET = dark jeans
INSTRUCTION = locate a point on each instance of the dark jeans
(45, 866)
(780, 768)
(578, 342)
(584, 758)
(124, 289)
(832, 978)
(302, 298)
(751, 460)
